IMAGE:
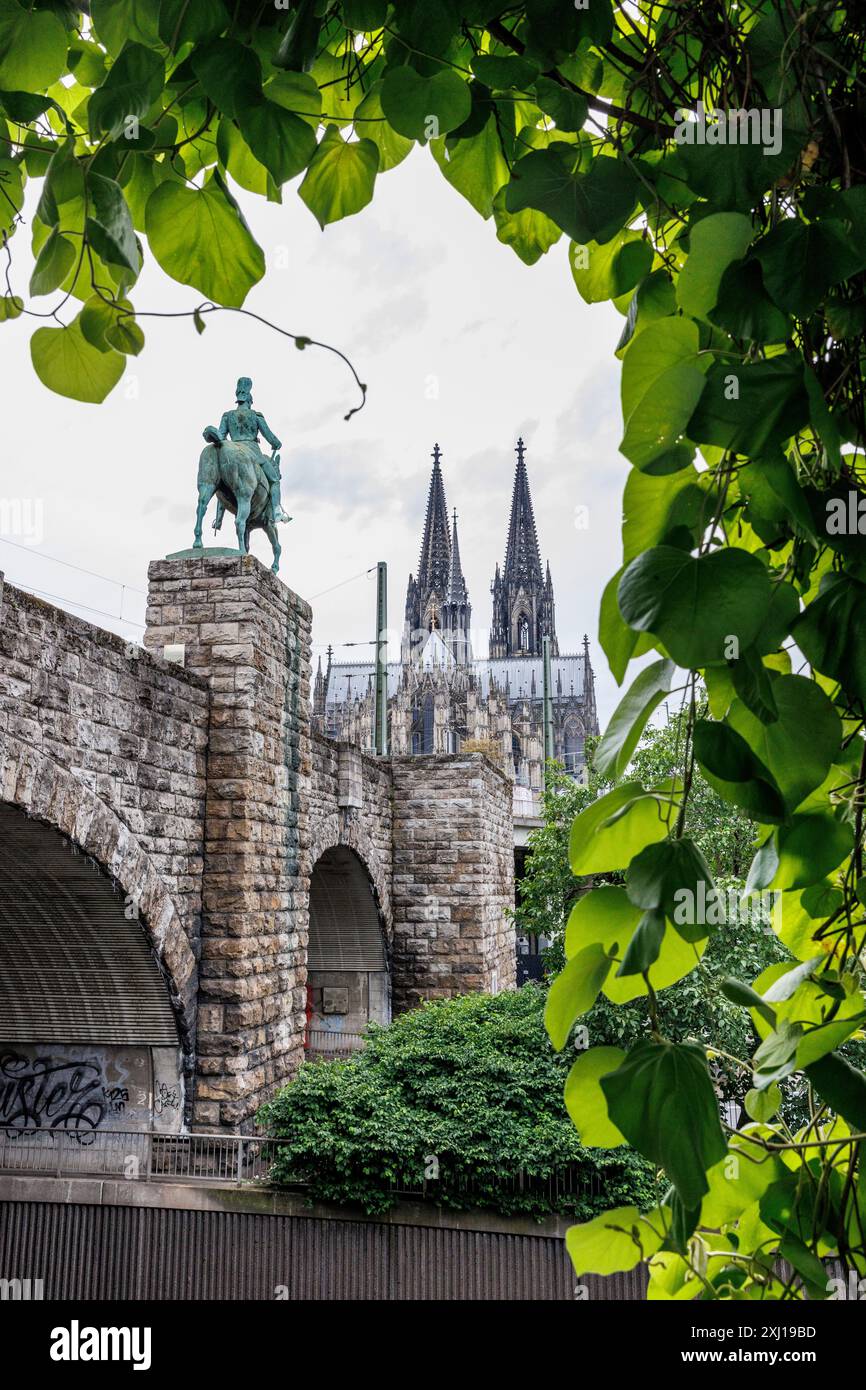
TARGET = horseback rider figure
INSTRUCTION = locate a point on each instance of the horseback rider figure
(243, 425)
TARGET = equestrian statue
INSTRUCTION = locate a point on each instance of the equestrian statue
(244, 481)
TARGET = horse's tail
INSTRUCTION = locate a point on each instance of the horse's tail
(212, 435)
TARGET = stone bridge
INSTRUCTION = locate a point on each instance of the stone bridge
(194, 887)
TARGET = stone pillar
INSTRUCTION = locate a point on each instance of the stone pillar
(249, 637)
(453, 862)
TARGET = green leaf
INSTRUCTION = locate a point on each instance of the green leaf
(751, 407)
(231, 75)
(663, 344)
(585, 1101)
(502, 73)
(714, 243)
(300, 42)
(801, 261)
(669, 877)
(566, 109)
(645, 946)
(574, 990)
(299, 93)
(66, 363)
(132, 86)
(734, 176)
(659, 422)
(109, 224)
(606, 272)
(743, 307)
(610, 832)
(662, 1100)
(842, 1086)
(125, 335)
(32, 47)
(831, 632)
(476, 166)
(735, 772)
(341, 177)
(695, 605)
(747, 998)
(118, 21)
(200, 238)
(369, 120)
(798, 765)
(11, 307)
(617, 1240)
(237, 159)
(53, 264)
(653, 507)
(530, 234)
(587, 206)
(282, 142)
(629, 719)
(605, 916)
(810, 847)
(619, 642)
(423, 108)
(763, 1105)
(190, 21)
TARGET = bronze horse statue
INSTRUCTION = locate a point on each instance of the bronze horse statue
(231, 472)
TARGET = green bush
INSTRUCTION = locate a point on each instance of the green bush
(471, 1083)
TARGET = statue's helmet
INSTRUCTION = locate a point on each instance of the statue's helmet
(244, 389)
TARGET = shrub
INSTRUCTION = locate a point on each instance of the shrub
(469, 1085)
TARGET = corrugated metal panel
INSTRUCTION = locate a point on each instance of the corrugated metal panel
(73, 969)
(345, 931)
(94, 1252)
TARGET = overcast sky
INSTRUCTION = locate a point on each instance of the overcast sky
(458, 341)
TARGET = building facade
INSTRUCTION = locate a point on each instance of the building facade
(445, 698)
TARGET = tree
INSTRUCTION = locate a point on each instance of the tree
(461, 1098)
(707, 161)
(744, 945)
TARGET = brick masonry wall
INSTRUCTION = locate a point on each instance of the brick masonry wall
(131, 728)
(108, 744)
(453, 878)
(248, 636)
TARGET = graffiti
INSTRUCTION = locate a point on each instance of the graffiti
(165, 1098)
(46, 1093)
(116, 1098)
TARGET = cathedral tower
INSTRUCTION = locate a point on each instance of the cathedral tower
(523, 604)
(457, 610)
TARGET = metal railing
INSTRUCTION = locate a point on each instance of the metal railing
(321, 1042)
(136, 1156)
(148, 1156)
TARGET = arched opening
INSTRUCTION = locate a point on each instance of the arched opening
(348, 980)
(88, 1035)
(573, 747)
(516, 753)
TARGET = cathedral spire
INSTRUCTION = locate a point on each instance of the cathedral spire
(434, 565)
(457, 591)
(457, 612)
(523, 602)
(522, 560)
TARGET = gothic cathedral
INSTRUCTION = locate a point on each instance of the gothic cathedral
(442, 697)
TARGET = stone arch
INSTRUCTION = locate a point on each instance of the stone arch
(348, 954)
(35, 783)
(350, 833)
